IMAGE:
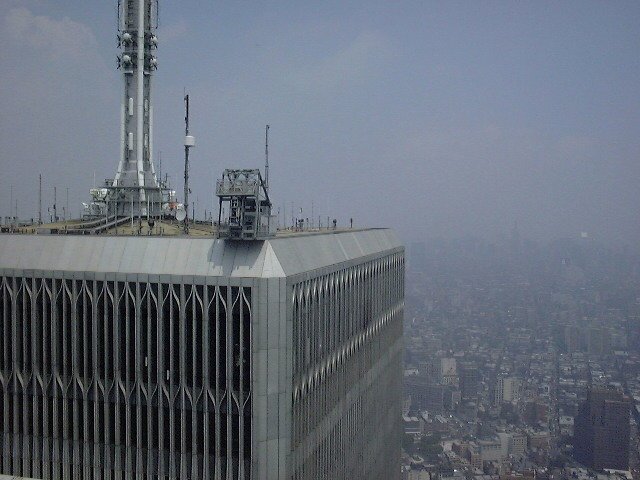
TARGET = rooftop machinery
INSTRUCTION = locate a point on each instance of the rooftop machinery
(249, 207)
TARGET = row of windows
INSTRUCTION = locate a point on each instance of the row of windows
(155, 367)
(331, 310)
(78, 461)
(148, 427)
(363, 442)
(357, 311)
(126, 331)
(312, 409)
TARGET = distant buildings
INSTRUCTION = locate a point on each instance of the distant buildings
(491, 451)
(601, 438)
(469, 377)
(535, 411)
(432, 397)
(506, 389)
(527, 344)
(593, 339)
(447, 372)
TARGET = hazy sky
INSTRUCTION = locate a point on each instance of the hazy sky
(435, 118)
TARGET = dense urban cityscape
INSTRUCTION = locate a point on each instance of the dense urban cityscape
(503, 342)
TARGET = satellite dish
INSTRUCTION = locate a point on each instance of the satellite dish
(181, 214)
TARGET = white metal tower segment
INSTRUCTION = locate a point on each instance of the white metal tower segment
(137, 25)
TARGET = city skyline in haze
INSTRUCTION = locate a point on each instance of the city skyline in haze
(435, 119)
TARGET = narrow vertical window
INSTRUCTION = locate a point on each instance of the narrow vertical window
(188, 326)
(198, 336)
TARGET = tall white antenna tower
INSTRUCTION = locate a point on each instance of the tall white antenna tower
(135, 181)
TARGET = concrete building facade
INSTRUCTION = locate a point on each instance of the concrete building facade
(195, 358)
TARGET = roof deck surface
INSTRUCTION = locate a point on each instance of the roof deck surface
(163, 228)
(170, 252)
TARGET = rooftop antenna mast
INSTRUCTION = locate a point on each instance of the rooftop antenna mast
(40, 201)
(189, 141)
(266, 159)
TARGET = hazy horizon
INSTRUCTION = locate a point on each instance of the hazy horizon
(438, 119)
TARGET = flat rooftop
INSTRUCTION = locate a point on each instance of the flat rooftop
(199, 254)
(164, 228)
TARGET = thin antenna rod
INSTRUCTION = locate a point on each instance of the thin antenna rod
(266, 159)
(40, 201)
(55, 204)
(186, 165)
